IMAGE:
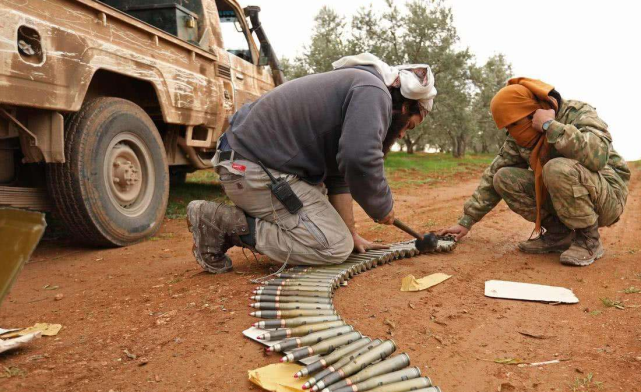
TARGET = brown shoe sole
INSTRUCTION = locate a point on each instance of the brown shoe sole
(583, 263)
(542, 251)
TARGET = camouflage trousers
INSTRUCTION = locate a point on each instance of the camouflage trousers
(578, 196)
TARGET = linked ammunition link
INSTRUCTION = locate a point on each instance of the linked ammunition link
(297, 308)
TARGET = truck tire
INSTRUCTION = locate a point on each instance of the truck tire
(113, 188)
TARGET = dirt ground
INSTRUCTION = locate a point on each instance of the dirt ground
(184, 327)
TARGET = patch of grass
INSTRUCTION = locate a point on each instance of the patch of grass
(595, 313)
(632, 290)
(200, 185)
(12, 371)
(420, 168)
(612, 303)
(586, 384)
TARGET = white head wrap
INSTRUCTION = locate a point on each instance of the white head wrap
(416, 81)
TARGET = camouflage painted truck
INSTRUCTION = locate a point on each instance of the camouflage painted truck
(102, 103)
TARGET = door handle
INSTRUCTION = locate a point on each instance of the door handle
(240, 76)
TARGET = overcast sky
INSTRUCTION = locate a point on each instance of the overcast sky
(587, 49)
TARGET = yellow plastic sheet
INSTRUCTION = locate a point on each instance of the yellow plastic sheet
(278, 377)
(410, 283)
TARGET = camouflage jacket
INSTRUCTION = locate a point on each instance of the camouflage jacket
(577, 133)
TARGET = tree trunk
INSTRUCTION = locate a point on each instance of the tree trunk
(409, 145)
(484, 147)
(461, 146)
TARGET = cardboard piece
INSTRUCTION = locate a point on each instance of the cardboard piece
(529, 292)
(410, 283)
(45, 328)
(278, 377)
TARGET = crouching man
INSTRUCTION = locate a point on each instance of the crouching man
(323, 134)
(557, 168)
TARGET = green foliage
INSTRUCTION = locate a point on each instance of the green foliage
(420, 32)
(612, 303)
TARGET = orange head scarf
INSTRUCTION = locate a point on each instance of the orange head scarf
(518, 100)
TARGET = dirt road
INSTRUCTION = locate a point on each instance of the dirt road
(184, 327)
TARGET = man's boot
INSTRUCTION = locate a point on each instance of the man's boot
(585, 249)
(556, 238)
(216, 227)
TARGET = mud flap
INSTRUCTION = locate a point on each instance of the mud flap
(20, 232)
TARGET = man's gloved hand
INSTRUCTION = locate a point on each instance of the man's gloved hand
(457, 231)
(388, 220)
(361, 245)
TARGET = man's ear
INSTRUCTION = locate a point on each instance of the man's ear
(405, 108)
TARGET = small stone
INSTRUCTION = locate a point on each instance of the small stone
(58, 297)
(638, 359)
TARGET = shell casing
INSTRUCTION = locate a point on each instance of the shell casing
(429, 389)
(323, 347)
(339, 278)
(378, 381)
(333, 357)
(303, 282)
(296, 288)
(403, 386)
(340, 363)
(287, 299)
(381, 351)
(315, 294)
(310, 339)
(280, 314)
(290, 306)
(383, 369)
(303, 330)
(294, 322)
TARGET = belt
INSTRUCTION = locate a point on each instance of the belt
(227, 156)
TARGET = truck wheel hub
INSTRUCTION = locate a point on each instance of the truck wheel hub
(125, 174)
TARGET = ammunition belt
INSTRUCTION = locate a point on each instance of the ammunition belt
(300, 321)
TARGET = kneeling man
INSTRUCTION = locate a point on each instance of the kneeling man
(557, 168)
(317, 135)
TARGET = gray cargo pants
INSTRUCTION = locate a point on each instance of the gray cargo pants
(316, 235)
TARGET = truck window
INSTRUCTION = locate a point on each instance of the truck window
(181, 18)
(234, 35)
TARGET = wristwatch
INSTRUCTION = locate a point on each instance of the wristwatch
(546, 125)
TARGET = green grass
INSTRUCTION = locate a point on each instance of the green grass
(421, 168)
(200, 185)
(586, 384)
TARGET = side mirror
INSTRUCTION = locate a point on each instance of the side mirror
(265, 52)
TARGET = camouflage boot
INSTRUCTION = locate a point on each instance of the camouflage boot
(216, 227)
(585, 249)
(556, 238)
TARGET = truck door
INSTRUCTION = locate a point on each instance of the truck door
(242, 52)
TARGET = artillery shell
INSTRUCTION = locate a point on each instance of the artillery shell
(323, 347)
(310, 339)
(384, 369)
(287, 299)
(281, 314)
(317, 294)
(303, 330)
(290, 306)
(294, 322)
(333, 357)
(340, 363)
(375, 382)
(295, 288)
(381, 351)
(403, 386)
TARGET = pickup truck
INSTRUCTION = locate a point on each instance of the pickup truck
(103, 104)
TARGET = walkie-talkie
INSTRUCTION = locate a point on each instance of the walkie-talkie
(281, 189)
